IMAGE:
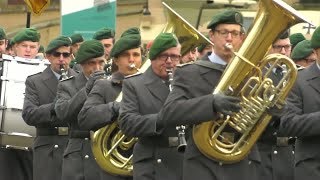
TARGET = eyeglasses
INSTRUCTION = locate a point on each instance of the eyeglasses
(225, 33)
(279, 47)
(64, 54)
(173, 57)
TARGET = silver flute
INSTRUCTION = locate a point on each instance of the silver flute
(181, 128)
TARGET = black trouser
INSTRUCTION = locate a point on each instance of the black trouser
(15, 164)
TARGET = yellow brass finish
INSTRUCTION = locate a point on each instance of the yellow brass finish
(230, 139)
(188, 35)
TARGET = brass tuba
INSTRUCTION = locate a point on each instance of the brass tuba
(109, 145)
(247, 78)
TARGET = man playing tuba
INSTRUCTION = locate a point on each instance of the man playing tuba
(191, 101)
(100, 108)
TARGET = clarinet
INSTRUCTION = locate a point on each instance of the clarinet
(181, 128)
(63, 72)
(108, 69)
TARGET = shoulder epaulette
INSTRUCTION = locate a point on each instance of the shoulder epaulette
(185, 64)
(71, 77)
(34, 74)
(133, 75)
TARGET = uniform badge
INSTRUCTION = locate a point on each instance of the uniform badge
(237, 17)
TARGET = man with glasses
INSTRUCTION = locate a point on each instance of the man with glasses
(155, 155)
(303, 54)
(78, 161)
(191, 102)
(282, 45)
(301, 118)
(276, 150)
(38, 110)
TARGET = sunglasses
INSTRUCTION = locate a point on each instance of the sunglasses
(58, 54)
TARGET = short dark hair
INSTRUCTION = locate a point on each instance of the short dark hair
(283, 35)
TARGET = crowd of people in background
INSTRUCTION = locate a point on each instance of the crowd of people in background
(75, 95)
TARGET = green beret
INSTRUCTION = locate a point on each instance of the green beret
(58, 42)
(296, 38)
(229, 16)
(162, 42)
(27, 34)
(88, 50)
(2, 34)
(315, 39)
(301, 50)
(104, 33)
(131, 31)
(76, 38)
(129, 39)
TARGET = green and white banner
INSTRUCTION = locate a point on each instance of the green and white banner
(87, 16)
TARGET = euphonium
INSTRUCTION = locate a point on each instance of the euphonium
(247, 78)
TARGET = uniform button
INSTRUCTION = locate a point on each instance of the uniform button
(275, 133)
(56, 146)
(292, 152)
(86, 156)
(159, 161)
(220, 163)
(275, 152)
(249, 162)
(86, 139)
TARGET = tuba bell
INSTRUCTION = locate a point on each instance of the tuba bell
(109, 145)
(247, 78)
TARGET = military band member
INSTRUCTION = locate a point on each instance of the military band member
(78, 161)
(106, 37)
(9, 48)
(38, 111)
(192, 102)
(301, 119)
(3, 42)
(276, 150)
(100, 107)
(189, 56)
(76, 40)
(295, 39)
(155, 155)
(204, 49)
(303, 54)
(26, 45)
